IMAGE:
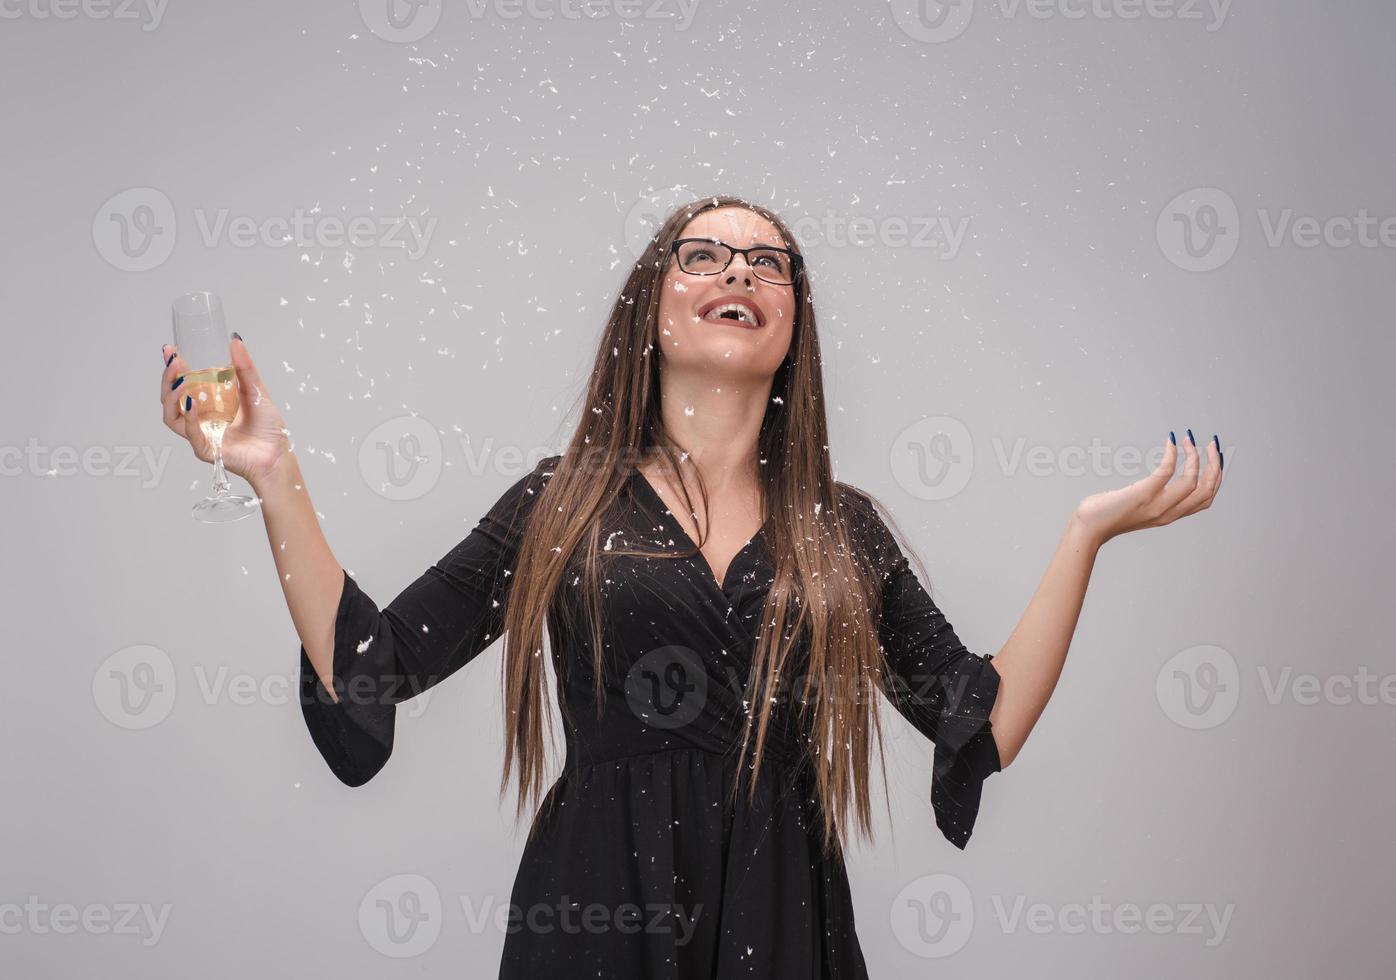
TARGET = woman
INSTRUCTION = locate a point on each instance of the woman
(718, 666)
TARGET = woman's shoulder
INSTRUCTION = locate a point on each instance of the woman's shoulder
(860, 509)
(865, 517)
(849, 495)
(858, 506)
(538, 474)
(525, 489)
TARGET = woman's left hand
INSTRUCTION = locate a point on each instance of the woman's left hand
(1154, 501)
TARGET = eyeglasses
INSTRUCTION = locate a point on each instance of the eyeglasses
(708, 257)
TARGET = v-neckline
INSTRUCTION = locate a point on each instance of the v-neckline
(677, 527)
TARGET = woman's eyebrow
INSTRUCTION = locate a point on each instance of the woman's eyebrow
(756, 244)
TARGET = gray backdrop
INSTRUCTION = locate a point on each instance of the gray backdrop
(1041, 236)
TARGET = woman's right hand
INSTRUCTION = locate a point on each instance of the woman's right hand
(257, 436)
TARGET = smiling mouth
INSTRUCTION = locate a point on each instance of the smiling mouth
(733, 313)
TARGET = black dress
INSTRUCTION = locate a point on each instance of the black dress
(639, 869)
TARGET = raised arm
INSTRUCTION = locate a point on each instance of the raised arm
(1013, 686)
(1032, 658)
(357, 662)
(378, 658)
(310, 576)
(256, 448)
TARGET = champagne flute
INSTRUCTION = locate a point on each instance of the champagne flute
(202, 338)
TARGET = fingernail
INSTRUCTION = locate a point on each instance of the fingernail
(176, 382)
(1221, 456)
(237, 336)
(1190, 438)
(188, 403)
(168, 359)
(1172, 438)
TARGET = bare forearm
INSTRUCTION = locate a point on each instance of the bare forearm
(311, 578)
(1032, 658)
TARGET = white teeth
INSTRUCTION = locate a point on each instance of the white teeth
(744, 314)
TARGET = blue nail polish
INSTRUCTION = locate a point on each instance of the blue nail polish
(168, 360)
(1190, 438)
(237, 336)
(1172, 438)
(1221, 456)
(176, 382)
(188, 403)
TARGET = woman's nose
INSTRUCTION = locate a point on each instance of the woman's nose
(733, 272)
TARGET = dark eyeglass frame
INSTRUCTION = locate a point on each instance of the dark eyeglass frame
(796, 260)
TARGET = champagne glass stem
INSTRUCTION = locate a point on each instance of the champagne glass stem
(220, 476)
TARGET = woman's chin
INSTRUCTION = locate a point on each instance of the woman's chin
(723, 357)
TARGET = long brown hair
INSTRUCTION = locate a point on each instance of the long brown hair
(824, 593)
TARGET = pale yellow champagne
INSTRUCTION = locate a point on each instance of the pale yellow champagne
(216, 391)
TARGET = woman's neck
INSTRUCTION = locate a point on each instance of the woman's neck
(718, 423)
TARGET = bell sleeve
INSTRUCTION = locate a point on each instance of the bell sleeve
(437, 625)
(938, 685)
